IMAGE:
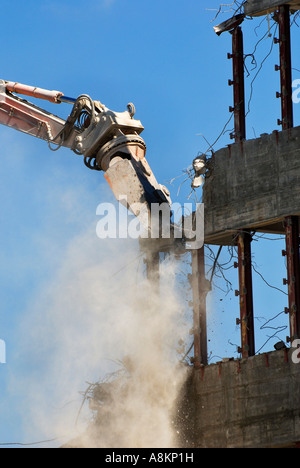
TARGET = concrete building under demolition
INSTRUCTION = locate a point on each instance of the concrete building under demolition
(254, 186)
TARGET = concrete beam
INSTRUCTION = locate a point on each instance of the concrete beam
(263, 7)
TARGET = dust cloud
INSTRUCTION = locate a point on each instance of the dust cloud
(97, 314)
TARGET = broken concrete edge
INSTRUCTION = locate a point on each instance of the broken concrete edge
(264, 359)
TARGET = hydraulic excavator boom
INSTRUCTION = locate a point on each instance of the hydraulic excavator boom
(108, 141)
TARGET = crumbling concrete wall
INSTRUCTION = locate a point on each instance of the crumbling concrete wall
(253, 403)
(254, 184)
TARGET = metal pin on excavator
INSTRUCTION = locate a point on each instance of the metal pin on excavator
(109, 141)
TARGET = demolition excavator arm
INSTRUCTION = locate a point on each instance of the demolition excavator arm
(108, 141)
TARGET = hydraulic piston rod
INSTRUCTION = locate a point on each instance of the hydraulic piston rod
(53, 96)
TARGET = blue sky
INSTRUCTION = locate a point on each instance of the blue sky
(165, 57)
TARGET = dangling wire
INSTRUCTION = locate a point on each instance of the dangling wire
(84, 118)
(59, 145)
(91, 163)
(87, 97)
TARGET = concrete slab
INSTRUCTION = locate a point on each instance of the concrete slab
(262, 7)
(254, 185)
(253, 403)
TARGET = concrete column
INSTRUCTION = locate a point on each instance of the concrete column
(199, 287)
